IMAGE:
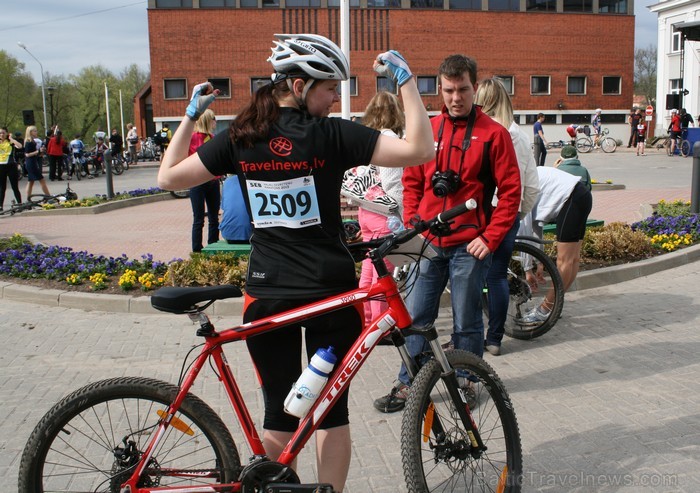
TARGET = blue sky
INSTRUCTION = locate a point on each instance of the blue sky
(67, 35)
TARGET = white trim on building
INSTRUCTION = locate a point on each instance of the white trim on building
(668, 70)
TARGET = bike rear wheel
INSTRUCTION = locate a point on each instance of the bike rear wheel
(608, 144)
(117, 166)
(523, 297)
(685, 148)
(92, 439)
(584, 144)
(442, 460)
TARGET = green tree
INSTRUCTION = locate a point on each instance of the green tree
(645, 73)
(17, 92)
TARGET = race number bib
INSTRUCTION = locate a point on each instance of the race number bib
(288, 204)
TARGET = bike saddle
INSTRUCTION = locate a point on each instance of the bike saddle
(183, 300)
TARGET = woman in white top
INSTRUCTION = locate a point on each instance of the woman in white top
(493, 98)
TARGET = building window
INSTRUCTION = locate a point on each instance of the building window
(531, 119)
(204, 4)
(465, 4)
(427, 4)
(576, 85)
(173, 4)
(336, 3)
(539, 85)
(249, 4)
(223, 85)
(612, 6)
(386, 84)
(578, 5)
(380, 4)
(271, 3)
(302, 3)
(427, 85)
(504, 5)
(675, 86)
(507, 81)
(353, 86)
(541, 5)
(257, 82)
(577, 118)
(175, 88)
(675, 40)
(611, 85)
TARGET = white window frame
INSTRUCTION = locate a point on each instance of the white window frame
(549, 85)
(503, 78)
(675, 40)
(174, 79)
(585, 85)
(619, 85)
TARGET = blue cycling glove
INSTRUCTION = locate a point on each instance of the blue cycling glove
(202, 96)
(393, 65)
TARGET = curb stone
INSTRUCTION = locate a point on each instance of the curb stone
(234, 307)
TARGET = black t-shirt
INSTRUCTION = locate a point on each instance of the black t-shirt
(291, 183)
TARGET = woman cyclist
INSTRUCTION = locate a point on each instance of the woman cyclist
(290, 159)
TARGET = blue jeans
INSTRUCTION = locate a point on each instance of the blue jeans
(497, 281)
(207, 193)
(467, 276)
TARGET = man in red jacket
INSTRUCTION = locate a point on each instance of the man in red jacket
(474, 156)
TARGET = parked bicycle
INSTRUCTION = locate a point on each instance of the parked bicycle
(77, 167)
(557, 144)
(149, 150)
(589, 142)
(683, 146)
(38, 200)
(137, 434)
(526, 293)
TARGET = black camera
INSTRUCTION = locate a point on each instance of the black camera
(445, 183)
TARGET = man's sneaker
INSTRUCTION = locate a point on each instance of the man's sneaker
(493, 349)
(533, 317)
(466, 386)
(394, 401)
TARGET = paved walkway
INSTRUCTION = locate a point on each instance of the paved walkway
(608, 401)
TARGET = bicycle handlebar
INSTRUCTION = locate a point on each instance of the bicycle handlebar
(386, 244)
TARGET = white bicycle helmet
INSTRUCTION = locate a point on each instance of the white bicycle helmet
(308, 54)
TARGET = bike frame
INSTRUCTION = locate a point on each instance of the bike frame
(395, 316)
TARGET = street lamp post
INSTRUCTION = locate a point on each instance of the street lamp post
(50, 90)
(43, 84)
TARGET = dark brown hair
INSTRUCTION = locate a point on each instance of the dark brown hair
(255, 119)
(456, 65)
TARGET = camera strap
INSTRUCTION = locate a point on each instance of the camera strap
(466, 142)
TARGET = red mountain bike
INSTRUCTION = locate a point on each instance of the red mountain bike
(129, 435)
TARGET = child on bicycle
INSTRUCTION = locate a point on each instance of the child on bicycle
(283, 140)
(77, 147)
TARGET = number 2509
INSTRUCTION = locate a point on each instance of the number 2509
(286, 204)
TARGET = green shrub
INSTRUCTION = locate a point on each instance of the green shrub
(208, 270)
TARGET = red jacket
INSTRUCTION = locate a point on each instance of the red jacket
(489, 162)
(54, 149)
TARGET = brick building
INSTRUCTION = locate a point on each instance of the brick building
(560, 57)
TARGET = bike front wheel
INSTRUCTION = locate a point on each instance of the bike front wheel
(436, 448)
(92, 440)
(608, 144)
(117, 167)
(524, 297)
(584, 145)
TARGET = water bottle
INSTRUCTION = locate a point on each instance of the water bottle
(394, 223)
(306, 389)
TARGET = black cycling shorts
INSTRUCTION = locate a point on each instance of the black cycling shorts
(571, 221)
(277, 356)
